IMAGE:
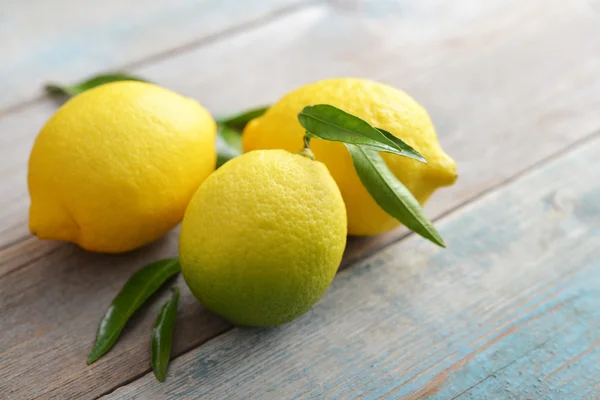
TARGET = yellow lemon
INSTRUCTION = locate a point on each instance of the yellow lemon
(114, 168)
(263, 237)
(381, 106)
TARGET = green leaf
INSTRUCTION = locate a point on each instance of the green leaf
(232, 137)
(391, 195)
(134, 293)
(229, 144)
(162, 336)
(229, 138)
(240, 120)
(72, 90)
(327, 122)
(404, 146)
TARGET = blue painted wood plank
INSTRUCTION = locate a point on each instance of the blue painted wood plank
(68, 40)
(511, 309)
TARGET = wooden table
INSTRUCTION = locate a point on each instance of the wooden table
(511, 309)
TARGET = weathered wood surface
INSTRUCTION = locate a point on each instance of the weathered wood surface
(499, 77)
(509, 310)
(72, 39)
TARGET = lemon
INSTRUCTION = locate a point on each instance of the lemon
(263, 237)
(114, 168)
(381, 106)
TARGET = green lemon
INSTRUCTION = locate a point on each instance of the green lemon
(262, 238)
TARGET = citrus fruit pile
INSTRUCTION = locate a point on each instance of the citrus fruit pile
(262, 237)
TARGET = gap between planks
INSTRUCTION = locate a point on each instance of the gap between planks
(347, 263)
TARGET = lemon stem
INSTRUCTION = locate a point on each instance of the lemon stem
(306, 152)
(306, 141)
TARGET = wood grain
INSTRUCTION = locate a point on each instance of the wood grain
(49, 322)
(497, 77)
(509, 310)
(43, 41)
